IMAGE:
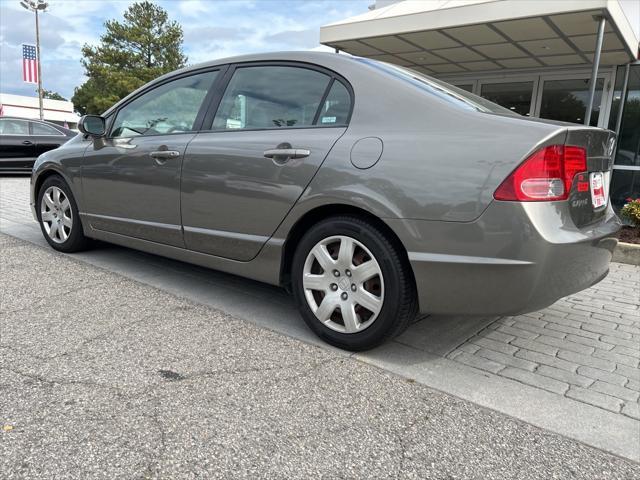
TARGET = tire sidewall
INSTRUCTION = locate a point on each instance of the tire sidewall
(382, 327)
(76, 239)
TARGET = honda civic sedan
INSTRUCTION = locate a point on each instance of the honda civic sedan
(371, 192)
(22, 140)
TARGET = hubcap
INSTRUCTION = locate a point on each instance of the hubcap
(343, 284)
(55, 213)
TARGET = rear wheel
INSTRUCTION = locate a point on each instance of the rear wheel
(58, 216)
(351, 284)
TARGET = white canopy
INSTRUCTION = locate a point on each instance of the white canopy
(451, 36)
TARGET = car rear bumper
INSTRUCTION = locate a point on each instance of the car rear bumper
(515, 258)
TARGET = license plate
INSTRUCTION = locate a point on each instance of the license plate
(598, 197)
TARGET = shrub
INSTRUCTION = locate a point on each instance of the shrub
(631, 211)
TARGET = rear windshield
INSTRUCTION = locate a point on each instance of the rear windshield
(454, 95)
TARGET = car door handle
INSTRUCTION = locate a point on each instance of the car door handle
(164, 154)
(287, 153)
(27, 142)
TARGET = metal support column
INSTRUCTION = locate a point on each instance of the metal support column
(594, 71)
(623, 98)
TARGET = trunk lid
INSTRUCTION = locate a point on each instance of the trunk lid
(589, 195)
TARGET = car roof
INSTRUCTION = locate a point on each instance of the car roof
(332, 61)
(319, 58)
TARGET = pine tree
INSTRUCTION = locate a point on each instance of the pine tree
(131, 53)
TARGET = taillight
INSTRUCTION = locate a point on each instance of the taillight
(545, 175)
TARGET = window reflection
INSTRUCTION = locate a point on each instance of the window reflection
(516, 96)
(566, 100)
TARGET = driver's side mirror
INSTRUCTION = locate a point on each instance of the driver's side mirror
(92, 125)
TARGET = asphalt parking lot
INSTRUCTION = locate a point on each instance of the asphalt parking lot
(117, 364)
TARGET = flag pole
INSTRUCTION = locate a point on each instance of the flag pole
(34, 6)
(39, 69)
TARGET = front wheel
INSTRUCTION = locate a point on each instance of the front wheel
(352, 285)
(58, 216)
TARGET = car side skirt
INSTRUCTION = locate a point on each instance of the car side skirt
(263, 268)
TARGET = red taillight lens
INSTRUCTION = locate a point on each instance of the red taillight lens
(544, 176)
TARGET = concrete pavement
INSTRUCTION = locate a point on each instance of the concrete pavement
(425, 354)
(105, 377)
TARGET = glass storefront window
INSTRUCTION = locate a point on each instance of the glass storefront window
(625, 181)
(629, 136)
(566, 100)
(465, 86)
(617, 95)
(515, 96)
(624, 184)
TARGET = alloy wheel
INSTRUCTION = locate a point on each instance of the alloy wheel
(56, 215)
(343, 284)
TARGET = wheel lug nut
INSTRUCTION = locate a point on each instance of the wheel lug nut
(353, 287)
(336, 273)
(348, 272)
(334, 287)
(344, 295)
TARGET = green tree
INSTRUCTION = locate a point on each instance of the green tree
(50, 94)
(131, 53)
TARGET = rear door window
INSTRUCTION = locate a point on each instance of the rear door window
(41, 129)
(271, 97)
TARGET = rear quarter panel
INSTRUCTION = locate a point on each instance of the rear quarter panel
(439, 161)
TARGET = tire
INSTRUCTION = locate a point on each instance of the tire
(60, 213)
(376, 308)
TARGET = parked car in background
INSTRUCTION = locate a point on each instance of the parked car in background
(22, 140)
(370, 191)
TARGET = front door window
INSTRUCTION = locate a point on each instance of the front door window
(169, 108)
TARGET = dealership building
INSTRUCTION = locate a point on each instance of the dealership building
(60, 112)
(536, 57)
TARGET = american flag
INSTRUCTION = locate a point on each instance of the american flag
(29, 64)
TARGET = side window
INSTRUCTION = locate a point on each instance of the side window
(42, 129)
(13, 127)
(169, 108)
(337, 106)
(271, 97)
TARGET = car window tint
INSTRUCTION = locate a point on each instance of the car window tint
(335, 110)
(13, 127)
(41, 129)
(169, 108)
(271, 97)
(449, 93)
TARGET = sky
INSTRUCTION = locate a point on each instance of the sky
(212, 29)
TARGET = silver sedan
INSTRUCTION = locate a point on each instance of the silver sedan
(370, 191)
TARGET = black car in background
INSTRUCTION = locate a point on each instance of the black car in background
(22, 140)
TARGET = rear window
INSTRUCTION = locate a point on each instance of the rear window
(449, 93)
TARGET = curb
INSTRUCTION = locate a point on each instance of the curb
(627, 253)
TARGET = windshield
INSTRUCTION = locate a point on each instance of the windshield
(442, 90)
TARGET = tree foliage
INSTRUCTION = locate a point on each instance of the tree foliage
(145, 45)
(50, 94)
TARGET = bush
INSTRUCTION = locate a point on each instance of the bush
(631, 211)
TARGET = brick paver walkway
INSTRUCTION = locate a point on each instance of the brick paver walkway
(585, 346)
